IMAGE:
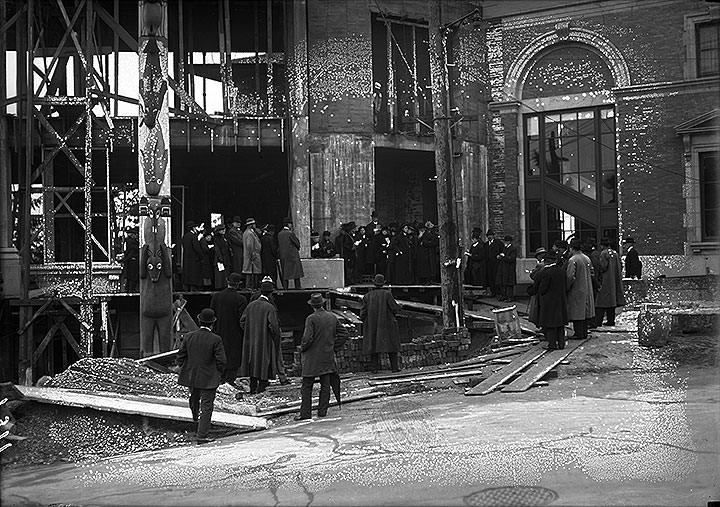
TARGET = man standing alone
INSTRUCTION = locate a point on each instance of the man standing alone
(323, 335)
(229, 306)
(202, 360)
(261, 340)
(380, 328)
(633, 266)
(289, 253)
(611, 293)
(580, 300)
(506, 278)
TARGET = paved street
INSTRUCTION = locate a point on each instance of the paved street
(640, 430)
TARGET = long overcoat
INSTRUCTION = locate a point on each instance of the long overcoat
(428, 256)
(289, 253)
(580, 300)
(612, 292)
(633, 265)
(192, 255)
(401, 257)
(261, 340)
(234, 237)
(222, 255)
(552, 298)
(201, 359)
(269, 255)
(380, 327)
(252, 263)
(494, 247)
(506, 266)
(322, 336)
(477, 264)
(229, 306)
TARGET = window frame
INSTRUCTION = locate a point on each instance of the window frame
(692, 21)
(700, 153)
(698, 52)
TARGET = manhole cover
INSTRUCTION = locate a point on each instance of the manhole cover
(515, 496)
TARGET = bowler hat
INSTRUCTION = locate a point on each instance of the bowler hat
(628, 240)
(316, 300)
(234, 279)
(190, 224)
(237, 219)
(266, 287)
(490, 232)
(540, 251)
(507, 238)
(287, 220)
(379, 280)
(575, 244)
(250, 221)
(206, 316)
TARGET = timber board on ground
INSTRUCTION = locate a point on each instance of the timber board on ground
(537, 371)
(56, 396)
(498, 378)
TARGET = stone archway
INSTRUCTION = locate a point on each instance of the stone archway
(520, 67)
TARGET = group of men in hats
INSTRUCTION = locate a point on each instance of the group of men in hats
(405, 255)
(208, 256)
(491, 264)
(575, 282)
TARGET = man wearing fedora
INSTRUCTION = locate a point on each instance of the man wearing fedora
(494, 248)
(261, 340)
(345, 246)
(506, 277)
(633, 266)
(580, 294)
(323, 335)
(192, 255)
(234, 237)
(252, 262)
(380, 327)
(289, 253)
(229, 305)
(202, 361)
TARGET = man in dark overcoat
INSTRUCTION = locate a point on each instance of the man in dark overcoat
(633, 265)
(229, 305)
(428, 254)
(222, 260)
(494, 248)
(131, 262)
(202, 360)
(380, 327)
(506, 277)
(476, 271)
(261, 340)
(323, 335)
(611, 293)
(580, 297)
(252, 263)
(234, 237)
(379, 245)
(289, 253)
(269, 253)
(401, 254)
(345, 246)
(549, 287)
(192, 256)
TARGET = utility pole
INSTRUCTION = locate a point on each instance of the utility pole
(451, 288)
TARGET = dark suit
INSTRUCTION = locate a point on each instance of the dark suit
(322, 336)
(229, 306)
(192, 255)
(633, 266)
(202, 360)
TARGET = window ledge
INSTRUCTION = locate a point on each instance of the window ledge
(704, 247)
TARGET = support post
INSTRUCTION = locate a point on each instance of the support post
(451, 289)
(154, 180)
(9, 257)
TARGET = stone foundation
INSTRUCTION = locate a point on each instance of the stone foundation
(672, 291)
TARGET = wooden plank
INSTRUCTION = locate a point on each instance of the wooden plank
(162, 355)
(55, 396)
(496, 379)
(438, 375)
(538, 370)
(503, 352)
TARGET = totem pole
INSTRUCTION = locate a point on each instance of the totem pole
(154, 180)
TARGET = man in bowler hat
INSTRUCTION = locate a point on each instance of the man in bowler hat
(229, 305)
(380, 327)
(633, 266)
(323, 335)
(202, 361)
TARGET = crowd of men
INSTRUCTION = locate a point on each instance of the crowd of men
(247, 344)
(405, 254)
(580, 283)
(209, 255)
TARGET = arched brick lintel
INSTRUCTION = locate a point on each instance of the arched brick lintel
(523, 63)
